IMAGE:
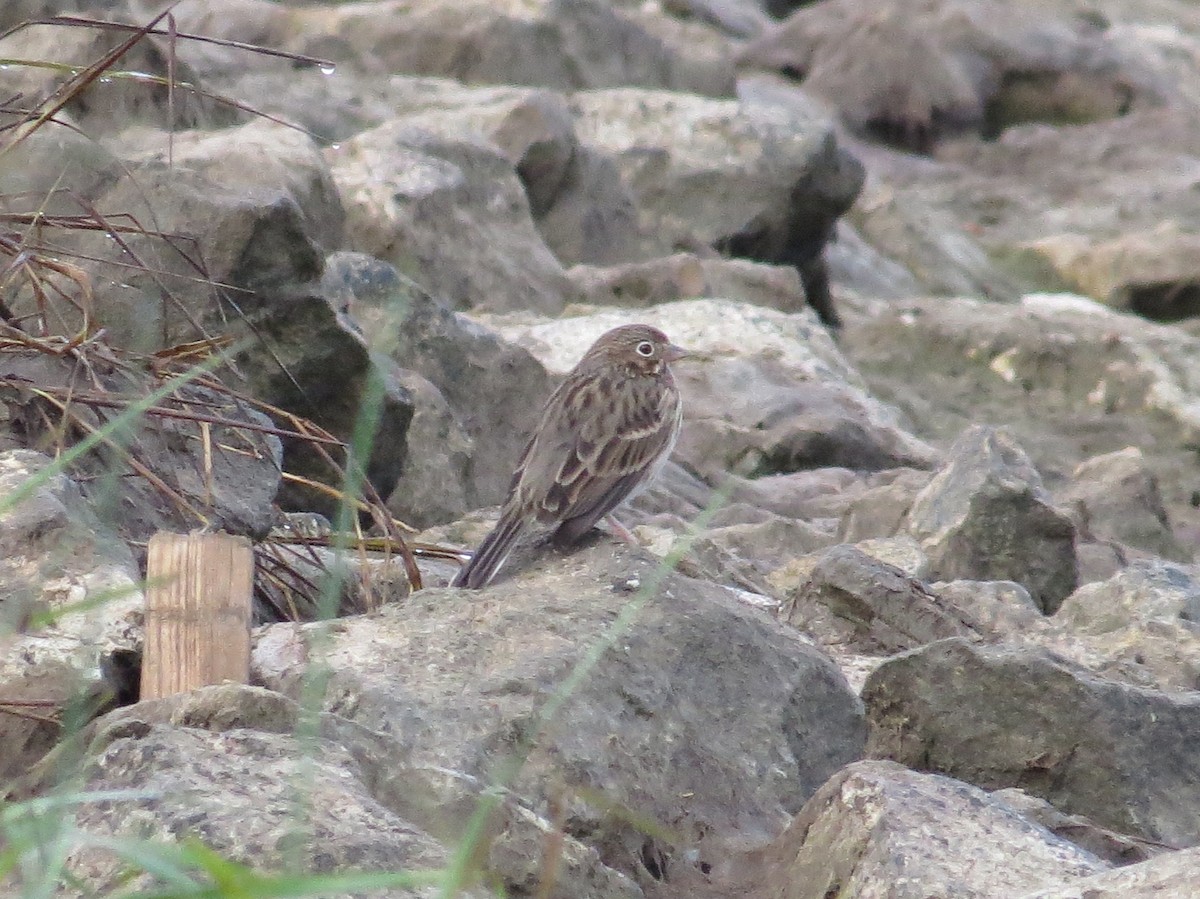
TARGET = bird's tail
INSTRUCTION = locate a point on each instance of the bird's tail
(491, 554)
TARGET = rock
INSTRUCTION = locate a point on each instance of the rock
(851, 598)
(1147, 273)
(986, 516)
(407, 190)
(109, 102)
(1114, 495)
(900, 551)
(55, 168)
(683, 159)
(1171, 874)
(495, 388)
(164, 471)
(997, 611)
(953, 66)
(767, 392)
(1114, 848)
(819, 493)
(249, 156)
(881, 509)
(580, 206)
(1008, 716)
(1130, 243)
(682, 276)
(1139, 626)
(569, 44)
(59, 560)
(434, 483)
(220, 218)
(221, 764)
(314, 363)
(738, 18)
(703, 715)
(924, 239)
(1142, 592)
(860, 267)
(757, 548)
(876, 823)
(1102, 381)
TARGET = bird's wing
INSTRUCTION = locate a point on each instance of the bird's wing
(608, 454)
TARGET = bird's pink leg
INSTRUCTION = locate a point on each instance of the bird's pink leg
(620, 530)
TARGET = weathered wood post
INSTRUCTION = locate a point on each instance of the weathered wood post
(197, 612)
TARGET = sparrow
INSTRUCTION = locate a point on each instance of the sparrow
(603, 436)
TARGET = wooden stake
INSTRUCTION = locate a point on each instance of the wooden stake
(197, 612)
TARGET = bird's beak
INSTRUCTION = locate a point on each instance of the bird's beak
(674, 353)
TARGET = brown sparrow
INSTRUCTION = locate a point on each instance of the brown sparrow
(604, 434)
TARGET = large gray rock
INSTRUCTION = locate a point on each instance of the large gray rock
(52, 169)
(998, 611)
(1171, 876)
(683, 276)
(307, 358)
(683, 157)
(248, 208)
(566, 44)
(852, 599)
(1052, 208)
(450, 214)
(1068, 378)
(986, 516)
(224, 765)
(1116, 496)
(1000, 716)
(877, 829)
(494, 388)
(582, 209)
(948, 66)
(704, 716)
(59, 560)
(48, 53)
(1115, 848)
(881, 508)
(1139, 626)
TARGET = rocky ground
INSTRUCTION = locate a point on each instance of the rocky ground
(933, 630)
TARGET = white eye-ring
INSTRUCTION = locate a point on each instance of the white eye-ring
(645, 348)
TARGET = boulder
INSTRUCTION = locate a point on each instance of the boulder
(70, 610)
(567, 44)
(986, 516)
(494, 388)
(407, 191)
(1139, 626)
(1114, 848)
(683, 276)
(223, 765)
(685, 161)
(997, 611)
(1170, 874)
(955, 65)
(133, 91)
(876, 823)
(700, 714)
(1116, 496)
(852, 599)
(1067, 377)
(1011, 716)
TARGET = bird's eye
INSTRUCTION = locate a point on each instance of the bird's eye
(645, 348)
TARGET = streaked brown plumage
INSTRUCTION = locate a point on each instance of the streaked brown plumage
(604, 433)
